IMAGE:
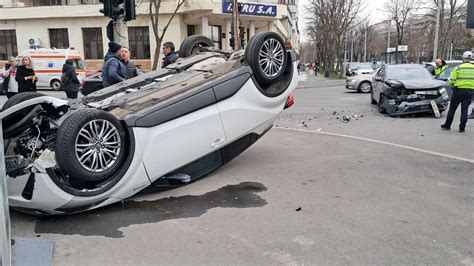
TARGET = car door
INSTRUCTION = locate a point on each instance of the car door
(180, 141)
(378, 85)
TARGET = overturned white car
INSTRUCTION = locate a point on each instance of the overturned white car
(170, 126)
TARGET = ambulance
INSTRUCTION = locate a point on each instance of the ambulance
(48, 65)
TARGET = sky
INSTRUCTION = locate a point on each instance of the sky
(373, 10)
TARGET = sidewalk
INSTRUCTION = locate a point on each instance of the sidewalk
(310, 81)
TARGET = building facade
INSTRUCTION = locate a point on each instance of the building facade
(79, 24)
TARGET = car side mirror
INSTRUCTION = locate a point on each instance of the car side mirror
(379, 79)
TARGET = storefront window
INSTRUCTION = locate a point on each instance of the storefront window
(191, 30)
(58, 38)
(8, 44)
(216, 35)
(93, 48)
(139, 42)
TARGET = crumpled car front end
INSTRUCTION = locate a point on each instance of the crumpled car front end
(406, 100)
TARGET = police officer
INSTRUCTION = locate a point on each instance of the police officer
(440, 67)
(462, 80)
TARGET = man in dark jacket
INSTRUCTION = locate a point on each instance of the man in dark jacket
(131, 68)
(69, 80)
(113, 71)
(170, 55)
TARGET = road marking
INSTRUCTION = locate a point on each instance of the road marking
(383, 142)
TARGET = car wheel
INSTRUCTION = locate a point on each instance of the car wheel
(266, 55)
(372, 100)
(91, 145)
(365, 87)
(189, 46)
(20, 97)
(381, 102)
(55, 85)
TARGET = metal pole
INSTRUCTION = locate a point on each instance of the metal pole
(451, 52)
(436, 39)
(236, 25)
(388, 41)
(5, 230)
(120, 32)
(365, 46)
(352, 47)
(345, 55)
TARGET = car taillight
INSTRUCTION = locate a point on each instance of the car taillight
(290, 101)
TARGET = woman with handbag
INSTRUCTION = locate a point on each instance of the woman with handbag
(25, 75)
(69, 80)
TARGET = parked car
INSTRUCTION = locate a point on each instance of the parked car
(169, 126)
(361, 83)
(407, 89)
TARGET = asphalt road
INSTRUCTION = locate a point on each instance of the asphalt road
(375, 190)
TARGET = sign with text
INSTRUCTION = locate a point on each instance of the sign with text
(403, 48)
(251, 9)
(391, 50)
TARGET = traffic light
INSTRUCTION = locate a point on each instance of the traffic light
(231, 43)
(242, 38)
(107, 9)
(130, 13)
(113, 9)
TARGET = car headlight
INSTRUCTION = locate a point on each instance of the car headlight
(351, 81)
(443, 91)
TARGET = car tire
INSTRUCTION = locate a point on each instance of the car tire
(266, 48)
(189, 45)
(372, 100)
(380, 105)
(83, 153)
(20, 97)
(365, 87)
(55, 85)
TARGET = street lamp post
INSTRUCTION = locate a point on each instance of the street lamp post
(436, 39)
(388, 41)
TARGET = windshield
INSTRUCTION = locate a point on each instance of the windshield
(408, 73)
(78, 64)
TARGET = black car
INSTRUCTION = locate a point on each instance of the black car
(94, 83)
(407, 89)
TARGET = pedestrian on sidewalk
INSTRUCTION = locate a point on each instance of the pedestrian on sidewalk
(462, 80)
(10, 85)
(69, 80)
(25, 75)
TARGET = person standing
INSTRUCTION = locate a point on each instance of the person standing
(170, 54)
(462, 80)
(440, 67)
(113, 71)
(69, 80)
(125, 58)
(10, 85)
(25, 75)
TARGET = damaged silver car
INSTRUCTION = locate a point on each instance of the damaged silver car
(407, 89)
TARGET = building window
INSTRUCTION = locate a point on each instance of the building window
(93, 48)
(58, 38)
(8, 44)
(191, 30)
(139, 41)
(90, 2)
(47, 3)
(216, 36)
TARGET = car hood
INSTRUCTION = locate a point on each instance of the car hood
(421, 84)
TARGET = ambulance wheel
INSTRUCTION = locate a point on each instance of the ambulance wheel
(55, 85)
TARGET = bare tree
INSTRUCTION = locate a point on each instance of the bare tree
(327, 24)
(400, 12)
(154, 13)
